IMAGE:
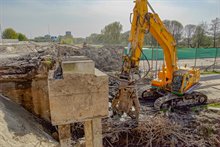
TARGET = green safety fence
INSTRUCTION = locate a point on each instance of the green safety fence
(182, 53)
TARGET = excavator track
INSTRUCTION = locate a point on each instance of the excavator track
(167, 99)
(172, 101)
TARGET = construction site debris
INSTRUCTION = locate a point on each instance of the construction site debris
(164, 129)
(194, 127)
(180, 128)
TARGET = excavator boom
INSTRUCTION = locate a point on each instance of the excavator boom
(144, 21)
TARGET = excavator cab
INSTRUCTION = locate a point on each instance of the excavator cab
(179, 82)
(185, 80)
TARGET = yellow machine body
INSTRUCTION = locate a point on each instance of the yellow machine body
(144, 21)
(172, 85)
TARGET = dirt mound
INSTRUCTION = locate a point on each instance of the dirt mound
(19, 128)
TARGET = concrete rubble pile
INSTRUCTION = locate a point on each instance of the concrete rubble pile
(106, 58)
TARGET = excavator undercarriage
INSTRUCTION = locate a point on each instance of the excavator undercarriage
(167, 100)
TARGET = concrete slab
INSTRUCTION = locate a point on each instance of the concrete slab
(82, 66)
(216, 87)
(210, 86)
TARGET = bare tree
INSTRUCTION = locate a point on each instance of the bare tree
(167, 23)
(215, 30)
(200, 36)
(189, 31)
(175, 28)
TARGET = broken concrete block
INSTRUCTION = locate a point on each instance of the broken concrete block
(78, 97)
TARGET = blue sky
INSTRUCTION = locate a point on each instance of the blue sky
(83, 17)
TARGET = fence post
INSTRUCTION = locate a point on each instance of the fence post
(156, 58)
(216, 54)
(195, 57)
(152, 58)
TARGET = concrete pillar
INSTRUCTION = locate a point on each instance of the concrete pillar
(64, 135)
(93, 133)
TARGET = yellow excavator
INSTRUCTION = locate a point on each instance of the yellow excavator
(174, 86)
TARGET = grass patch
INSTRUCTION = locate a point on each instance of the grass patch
(204, 107)
(210, 72)
(214, 105)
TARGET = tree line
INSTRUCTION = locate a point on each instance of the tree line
(201, 35)
(10, 33)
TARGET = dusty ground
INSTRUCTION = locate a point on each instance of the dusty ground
(18, 128)
(211, 86)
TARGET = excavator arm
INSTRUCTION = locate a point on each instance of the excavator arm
(144, 21)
